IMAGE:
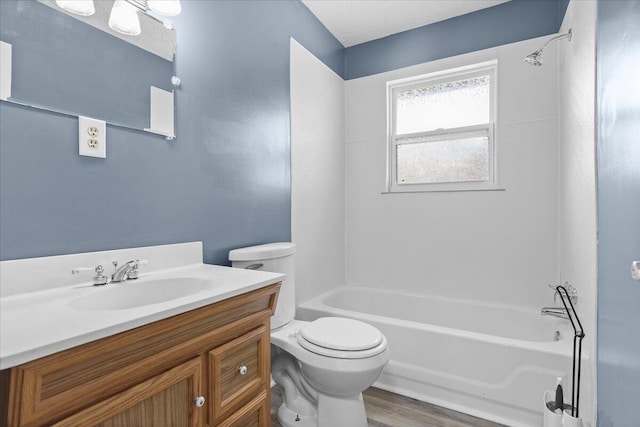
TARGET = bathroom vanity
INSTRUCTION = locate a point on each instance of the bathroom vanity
(202, 360)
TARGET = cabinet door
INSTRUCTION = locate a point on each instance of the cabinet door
(167, 400)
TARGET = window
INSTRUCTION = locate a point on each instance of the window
(441, 131)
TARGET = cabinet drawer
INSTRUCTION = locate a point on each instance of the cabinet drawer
(254, 414)
(238, 371)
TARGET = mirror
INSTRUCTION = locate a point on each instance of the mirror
(77, 65)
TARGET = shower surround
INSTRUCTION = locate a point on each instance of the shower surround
(493, 248)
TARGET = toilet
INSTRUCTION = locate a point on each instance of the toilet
(322, 366)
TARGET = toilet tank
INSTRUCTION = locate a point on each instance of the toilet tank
(276, 258)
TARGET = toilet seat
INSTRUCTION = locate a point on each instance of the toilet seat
(341, 338)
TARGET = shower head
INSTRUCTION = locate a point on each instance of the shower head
(535, 58)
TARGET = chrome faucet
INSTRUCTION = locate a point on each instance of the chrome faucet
(99, 279)
(128, 270)
(559, 312)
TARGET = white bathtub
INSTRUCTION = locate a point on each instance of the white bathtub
(492, 361)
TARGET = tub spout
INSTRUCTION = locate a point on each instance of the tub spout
(559, 312)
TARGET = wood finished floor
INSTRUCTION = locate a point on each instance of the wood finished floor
(386, 409)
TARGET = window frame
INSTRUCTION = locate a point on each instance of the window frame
(485, 129)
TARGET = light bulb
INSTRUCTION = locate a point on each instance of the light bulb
(78, 7)
(124, 18)
(165, 7)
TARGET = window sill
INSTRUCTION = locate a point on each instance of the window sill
(467, 190)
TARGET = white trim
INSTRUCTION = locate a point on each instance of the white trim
(5, 70)
(451, 72)
(442, 134)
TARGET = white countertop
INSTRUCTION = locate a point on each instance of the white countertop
(37, 324)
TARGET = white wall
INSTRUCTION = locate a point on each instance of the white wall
(317, 174)
(499, 246)
(577, 180)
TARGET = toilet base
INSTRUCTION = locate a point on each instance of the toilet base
(287, 418)
(332, 411)
(341, 411)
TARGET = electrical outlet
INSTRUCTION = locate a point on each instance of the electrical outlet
(92, 137)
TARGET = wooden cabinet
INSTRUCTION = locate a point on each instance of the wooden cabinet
(152, 375)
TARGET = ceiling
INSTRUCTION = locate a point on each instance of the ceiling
(358, 21)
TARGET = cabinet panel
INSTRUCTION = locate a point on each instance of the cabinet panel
(167, 408)
(164, 400)
(254, 414)
(237, 371)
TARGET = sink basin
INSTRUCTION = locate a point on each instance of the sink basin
(132, 294)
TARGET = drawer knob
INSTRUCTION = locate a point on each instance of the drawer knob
(243, 370)
(199, 401)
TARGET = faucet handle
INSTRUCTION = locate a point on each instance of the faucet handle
(135, 265)
(571, 291)
(99, 279)
(555, 292)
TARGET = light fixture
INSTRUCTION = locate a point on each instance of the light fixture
(124, 15)
(124, 18)
(165, 7)
(78, 7)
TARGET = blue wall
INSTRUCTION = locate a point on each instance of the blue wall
(225, 180)
(509, 22)
(618, 151)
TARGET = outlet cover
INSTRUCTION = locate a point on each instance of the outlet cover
(92, 137)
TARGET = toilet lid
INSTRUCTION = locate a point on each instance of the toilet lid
(338, 333)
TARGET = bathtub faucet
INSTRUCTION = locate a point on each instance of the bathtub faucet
(560, 312)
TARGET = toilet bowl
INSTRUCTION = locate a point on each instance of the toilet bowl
(322, 366)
